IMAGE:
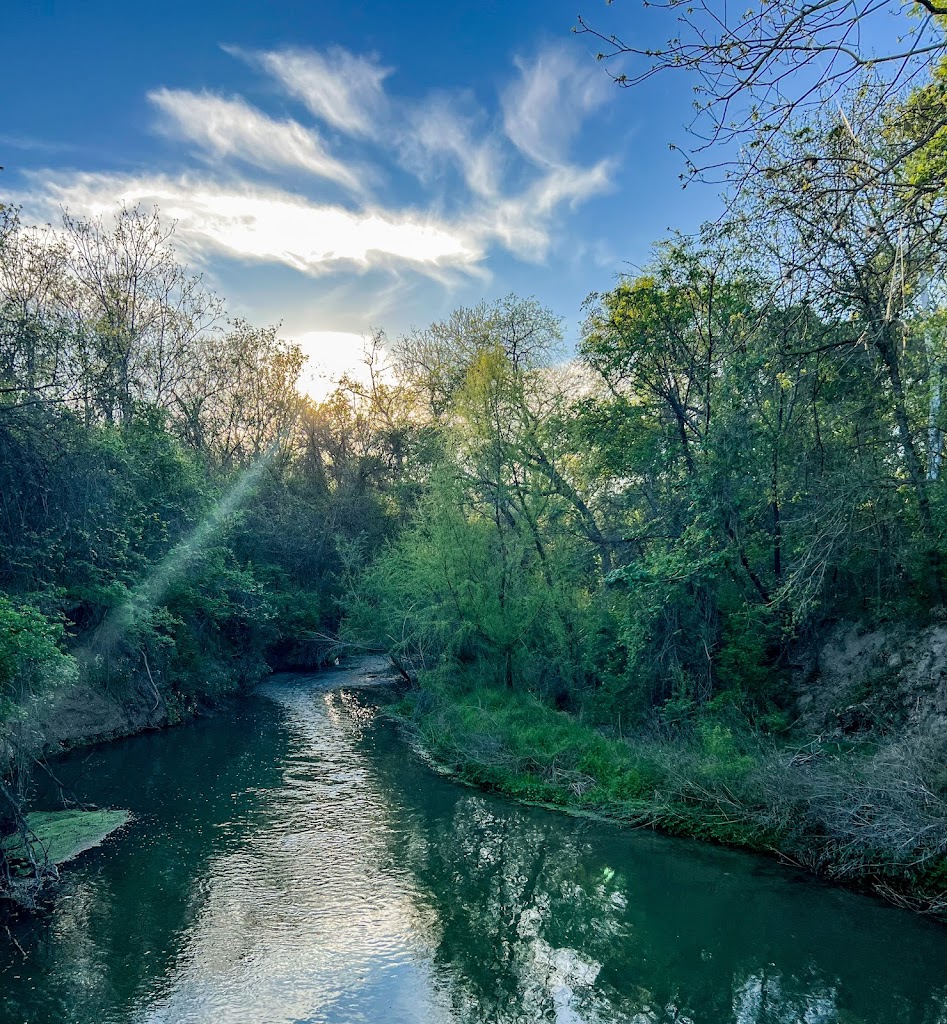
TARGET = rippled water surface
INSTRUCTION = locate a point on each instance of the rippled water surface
(292, 862)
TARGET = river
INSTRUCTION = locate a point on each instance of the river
(291, 861)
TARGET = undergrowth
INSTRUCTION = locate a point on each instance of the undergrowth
(870, 815)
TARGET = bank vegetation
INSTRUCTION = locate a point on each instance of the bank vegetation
(618, 575)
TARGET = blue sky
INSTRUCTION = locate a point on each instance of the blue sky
(339, 167)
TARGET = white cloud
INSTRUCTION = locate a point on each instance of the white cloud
(348, 92)
(338, 87)
(438, 128)
(542, 113)
(571, 185)
(544, 109)
(521, 223)
(232, 128)
(268, 225)
(504, 199)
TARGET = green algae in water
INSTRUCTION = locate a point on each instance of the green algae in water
(62, 835)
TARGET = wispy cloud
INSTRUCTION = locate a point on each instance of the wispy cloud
(512, 169)
(342, 89)
(232, 128)
(439, 129)
(546, 106)
(521, 223)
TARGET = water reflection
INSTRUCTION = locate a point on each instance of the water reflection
(544, 918)
(292, 864)
(303, 922)
(112, 939)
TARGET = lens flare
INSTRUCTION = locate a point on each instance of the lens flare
(149, 593)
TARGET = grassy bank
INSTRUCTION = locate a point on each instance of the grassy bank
(873, 816)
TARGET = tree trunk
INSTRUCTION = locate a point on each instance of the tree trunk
(886, 347)
(935, 436)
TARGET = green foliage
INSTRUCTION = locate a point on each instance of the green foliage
(520, 745)
(32, 662)
(745, 662)
(220, 625)
(721, 758)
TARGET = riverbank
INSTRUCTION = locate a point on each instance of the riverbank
(77, 715)
(82, 715)
(850, 813)
(290, 860)
(854, 814)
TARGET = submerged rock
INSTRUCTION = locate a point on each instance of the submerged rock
(59, 836)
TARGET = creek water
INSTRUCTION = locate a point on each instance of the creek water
(291, 861)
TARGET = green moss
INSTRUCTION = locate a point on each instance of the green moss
(62, 835)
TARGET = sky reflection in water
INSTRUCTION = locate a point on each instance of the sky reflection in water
(292, 863)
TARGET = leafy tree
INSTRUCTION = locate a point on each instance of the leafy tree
(32, 666)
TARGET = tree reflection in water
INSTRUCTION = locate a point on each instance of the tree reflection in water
(546, 918)
(321, 874)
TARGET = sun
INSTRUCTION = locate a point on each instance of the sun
(331, 355)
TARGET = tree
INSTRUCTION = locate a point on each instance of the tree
(435, 361)
(137, 309)
(494, 540)
(851, 235)
(34, 331)
(760, 68)
(236, 395)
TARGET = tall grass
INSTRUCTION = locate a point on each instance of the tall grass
(871, 815)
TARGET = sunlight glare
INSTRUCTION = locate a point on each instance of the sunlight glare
(331, 355)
